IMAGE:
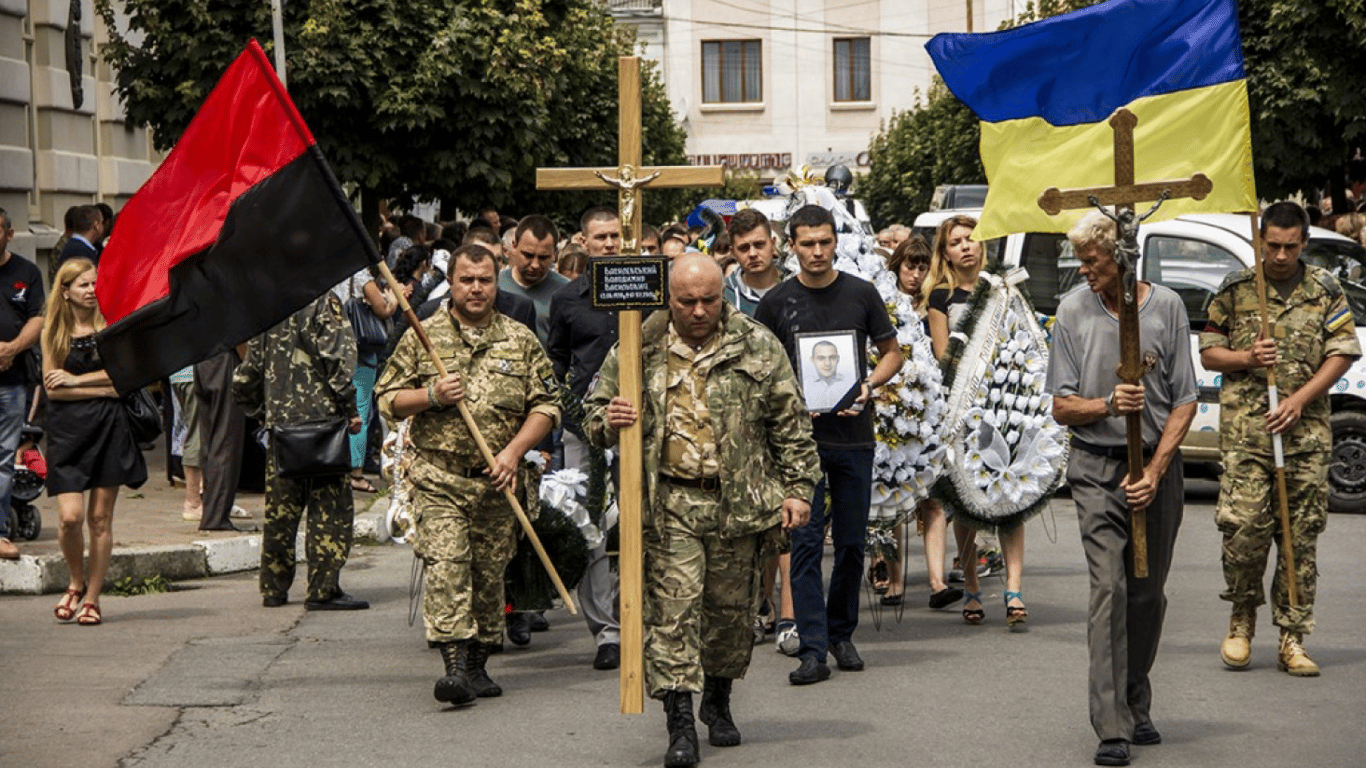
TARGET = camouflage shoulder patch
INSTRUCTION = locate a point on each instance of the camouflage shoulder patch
(1233, 278)
(1326, 279)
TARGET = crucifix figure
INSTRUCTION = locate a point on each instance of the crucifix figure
(1123, 195)
(628, 178)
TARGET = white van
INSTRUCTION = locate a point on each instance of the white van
(1191, 255)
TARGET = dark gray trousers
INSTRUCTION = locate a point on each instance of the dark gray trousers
(221, 431)
(1125, 618)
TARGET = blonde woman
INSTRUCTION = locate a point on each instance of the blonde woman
(90, 447)
(957, 262)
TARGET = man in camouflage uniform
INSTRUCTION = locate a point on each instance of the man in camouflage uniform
(465, 526)
(1313, 344)
(728, 459)
(301, 371)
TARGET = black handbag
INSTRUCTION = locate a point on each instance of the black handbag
(144, 420)
(372, 333)
(312, 448)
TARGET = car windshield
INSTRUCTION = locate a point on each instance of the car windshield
(1347, 262)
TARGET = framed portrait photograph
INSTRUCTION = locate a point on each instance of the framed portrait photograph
(830, 369)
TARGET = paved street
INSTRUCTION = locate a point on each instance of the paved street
(203, 676)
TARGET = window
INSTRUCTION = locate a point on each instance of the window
(853, 77)
(731, 72)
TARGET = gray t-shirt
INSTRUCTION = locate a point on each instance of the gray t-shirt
(1085, 355)
(539, 294)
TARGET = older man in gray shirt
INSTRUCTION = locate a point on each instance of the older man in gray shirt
(1125, 618)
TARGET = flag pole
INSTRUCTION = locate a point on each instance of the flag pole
(277, 23)
(1273, 398)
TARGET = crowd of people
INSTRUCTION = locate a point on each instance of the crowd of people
(749, 473)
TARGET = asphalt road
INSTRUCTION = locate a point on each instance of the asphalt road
(203, 676)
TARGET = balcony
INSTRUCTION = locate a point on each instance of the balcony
(635, 8)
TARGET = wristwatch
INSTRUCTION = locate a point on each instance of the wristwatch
(1110, 404)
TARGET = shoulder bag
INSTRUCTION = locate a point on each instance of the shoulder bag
(372, 333)
(144, 419)
(312, 448)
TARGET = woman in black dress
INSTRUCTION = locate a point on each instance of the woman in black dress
(90, 447)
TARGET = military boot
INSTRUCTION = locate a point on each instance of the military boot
(483, 687)
(682, 730)
(1237, 648)
(715, 712)
(1293, 660)
(455, 687)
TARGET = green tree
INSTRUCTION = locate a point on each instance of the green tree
(932, 143)
(411, 99)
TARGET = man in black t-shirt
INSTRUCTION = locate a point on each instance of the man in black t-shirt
(820, 299)
(21, 320)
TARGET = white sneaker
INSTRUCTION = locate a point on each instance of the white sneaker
(788, 642)
(239, 513)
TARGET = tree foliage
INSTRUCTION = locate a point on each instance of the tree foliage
(1304, 64)
(411, 99)
(935, 142)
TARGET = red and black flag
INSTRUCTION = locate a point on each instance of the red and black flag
(241, 226)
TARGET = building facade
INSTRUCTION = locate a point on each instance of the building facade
(63, 138)
(765, 85)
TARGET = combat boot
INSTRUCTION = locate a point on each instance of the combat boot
(1237, 648)
(483, 687)
(715, 712)
(1293, 660)
(682, 730)
(455, 687)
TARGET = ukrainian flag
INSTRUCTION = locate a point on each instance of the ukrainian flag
(1045, 92)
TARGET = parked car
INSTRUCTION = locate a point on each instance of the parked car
(1191, 255)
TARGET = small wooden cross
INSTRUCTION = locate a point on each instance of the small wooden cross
(1123, 195)
(628, 178)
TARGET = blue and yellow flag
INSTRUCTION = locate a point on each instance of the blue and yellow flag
(1045, 92)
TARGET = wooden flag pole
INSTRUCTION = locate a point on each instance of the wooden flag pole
(484, 449)
(1274, 399)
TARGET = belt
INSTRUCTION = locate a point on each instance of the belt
(1115, 452)
(444, 465)
(708, 484)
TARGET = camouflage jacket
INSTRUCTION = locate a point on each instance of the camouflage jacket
(507, 378)
(1313, 324)
(301, 369)
(758, 419)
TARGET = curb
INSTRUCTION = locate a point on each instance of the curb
(47, 574)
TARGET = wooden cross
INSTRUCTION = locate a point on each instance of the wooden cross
(627, 178)
(1123, 195)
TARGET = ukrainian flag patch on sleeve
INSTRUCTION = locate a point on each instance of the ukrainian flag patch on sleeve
(1340, 318)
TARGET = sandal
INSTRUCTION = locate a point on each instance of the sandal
(89, 615)
(973, 615)
(1015, 614)
(878, 577)
(66, 608)
(363, 485)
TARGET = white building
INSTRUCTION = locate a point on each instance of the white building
(769, 84)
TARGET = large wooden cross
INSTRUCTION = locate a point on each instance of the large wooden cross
(1123, 195)
(628, 178)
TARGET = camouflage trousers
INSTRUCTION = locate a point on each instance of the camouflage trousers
(699, 593)
(1248, 515)
(327, 533)
(465, 537)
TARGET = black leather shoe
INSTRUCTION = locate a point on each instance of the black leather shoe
(339, 602)
(274, 601)
(846, 656)
(519, 628)
(1113, 752)
(1146, 735)
(811, 671)
(609, 656)
(538, 622)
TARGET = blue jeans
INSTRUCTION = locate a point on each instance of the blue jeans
(849, 476)
(13, 402)
(364, 379)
